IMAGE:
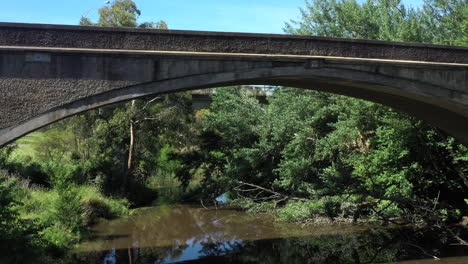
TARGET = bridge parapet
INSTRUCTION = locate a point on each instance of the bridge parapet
(61, 36)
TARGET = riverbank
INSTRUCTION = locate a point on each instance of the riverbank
(44, 223)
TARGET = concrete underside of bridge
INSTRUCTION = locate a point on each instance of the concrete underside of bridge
(50, 72)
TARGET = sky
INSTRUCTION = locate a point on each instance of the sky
(260, 16)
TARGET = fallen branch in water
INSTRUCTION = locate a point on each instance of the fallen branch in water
(201, 202)
(257, 190)
(461, 242)
(421, 249)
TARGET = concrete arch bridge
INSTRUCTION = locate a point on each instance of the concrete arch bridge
(49, 72)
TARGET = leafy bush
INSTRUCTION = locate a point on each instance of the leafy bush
(20, 241)
(296, 211)
(66, 212)
(95, 206)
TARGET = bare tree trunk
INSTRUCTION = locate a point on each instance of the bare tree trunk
(130, 152)
(130, 148)
(130, 261)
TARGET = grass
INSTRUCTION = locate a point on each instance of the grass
(25, 146)
(37, 202)
(116, 207)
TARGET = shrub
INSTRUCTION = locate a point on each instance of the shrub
(19, 238)
(67, 210)
(97, 207)
(94, 209)
(296, 211)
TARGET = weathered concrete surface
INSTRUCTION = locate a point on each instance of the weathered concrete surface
(39, 35)
(49, 72)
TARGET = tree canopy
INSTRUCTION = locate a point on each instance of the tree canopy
(121, 13)
(437, 21)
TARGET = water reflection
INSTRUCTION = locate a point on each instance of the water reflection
(170, 234)
(183, 225)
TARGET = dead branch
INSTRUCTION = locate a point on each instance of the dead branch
(154, 117)
(255, 191)
(201, 202)
(147, 104)
(422, 250)
(461, 242)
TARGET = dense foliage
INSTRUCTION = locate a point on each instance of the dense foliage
(328, 149)
(437, 21)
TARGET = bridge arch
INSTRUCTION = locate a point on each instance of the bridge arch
(49, 72)
(424, 101)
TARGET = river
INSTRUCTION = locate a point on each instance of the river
(194, 234)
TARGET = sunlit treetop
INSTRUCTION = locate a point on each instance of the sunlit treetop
(121, 13)
(437, 21)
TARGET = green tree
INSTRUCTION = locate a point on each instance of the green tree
(395, 148)
(380, 20)
(121, 13)
(447, 21)
(131, 134)
(317, 145)
(438, 21)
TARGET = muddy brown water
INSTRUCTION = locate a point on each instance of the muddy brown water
(191, 234)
